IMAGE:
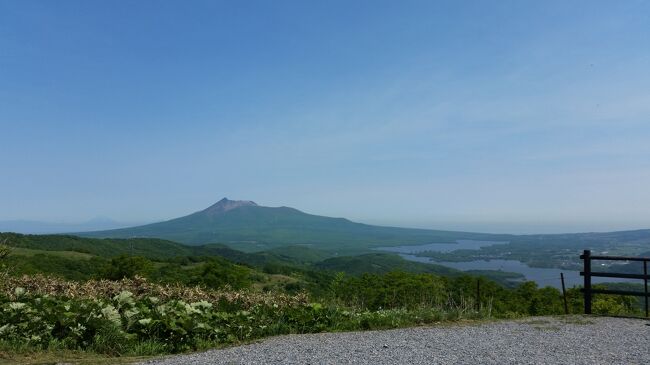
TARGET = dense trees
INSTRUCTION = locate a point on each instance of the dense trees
(127, 267)
(412, 291)
(392, 286)
(4, 253)
(218, 273)
(4, 249)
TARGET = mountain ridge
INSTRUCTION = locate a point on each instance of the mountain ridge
(245, 225)
(44, 227)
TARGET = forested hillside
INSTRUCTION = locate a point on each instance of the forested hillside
(149, 296)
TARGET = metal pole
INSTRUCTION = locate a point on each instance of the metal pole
(566, 306)
(587, 264)
(645, 282)
(478, 295)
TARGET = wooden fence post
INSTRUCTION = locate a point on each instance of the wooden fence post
(645, 285)
(566, 306)
(587, 273)
(478, 295)
(586, 256)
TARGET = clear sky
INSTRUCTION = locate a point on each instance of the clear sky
(484, 115)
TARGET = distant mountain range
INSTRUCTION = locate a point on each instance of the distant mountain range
(38, 227)
(247, 226)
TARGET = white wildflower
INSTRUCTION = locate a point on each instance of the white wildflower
(190, 309)
(125, 297)
(6, 329)
(203, 305)
(131, 312)
(17, 305)
(110, 313)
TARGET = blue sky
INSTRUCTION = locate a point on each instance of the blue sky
(517, 116)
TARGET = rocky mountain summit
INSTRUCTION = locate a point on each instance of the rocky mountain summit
(225, 205)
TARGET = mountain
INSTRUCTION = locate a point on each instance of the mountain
(224, 205)
(247, 226)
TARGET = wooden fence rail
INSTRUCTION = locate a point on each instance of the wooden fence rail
(588, 274)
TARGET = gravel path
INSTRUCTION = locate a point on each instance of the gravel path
(541, 340)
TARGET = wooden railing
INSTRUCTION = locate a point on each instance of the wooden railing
(588, 274)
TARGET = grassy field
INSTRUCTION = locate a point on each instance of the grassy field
(30, 357)
(19, 251)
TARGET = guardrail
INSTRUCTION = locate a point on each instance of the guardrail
(588, 274)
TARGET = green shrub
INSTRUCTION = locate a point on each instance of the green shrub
(140, 318)
(127, 267)
(145, 325)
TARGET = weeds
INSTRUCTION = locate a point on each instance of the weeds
(50, 314)
(142, 288)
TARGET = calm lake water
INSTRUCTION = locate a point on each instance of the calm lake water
(543, 277)
(441, 247)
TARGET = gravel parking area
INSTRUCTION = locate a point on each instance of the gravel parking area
(537, 340)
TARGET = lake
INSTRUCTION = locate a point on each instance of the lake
(542, 276)
(441, 247)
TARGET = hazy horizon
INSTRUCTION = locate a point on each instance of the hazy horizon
(511, 227)
(509, 116)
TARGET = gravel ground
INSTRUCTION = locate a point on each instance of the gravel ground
(540, 340)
